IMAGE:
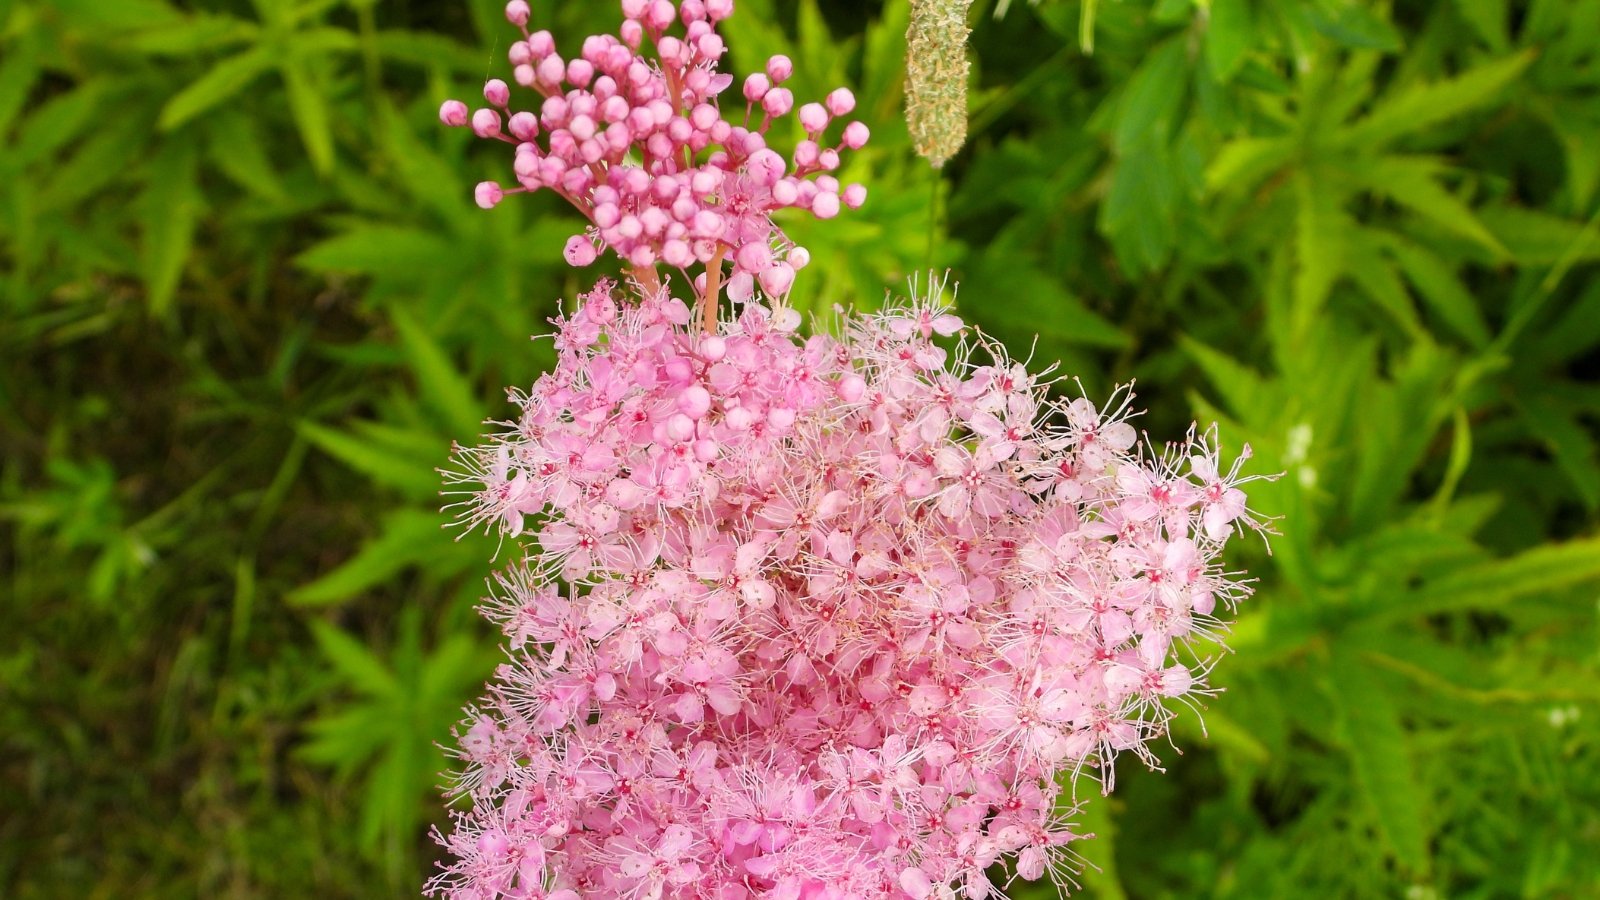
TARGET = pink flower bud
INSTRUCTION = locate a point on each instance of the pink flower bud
(487, 194)
(756, 86)
(841, 102)
(856, 135)
(580, 72)
(785, 192)
(582, 128)
(676, 253)
(717, 10)
(855, 195)
(497, 92)
(524, 126)
(579, 251)
(520, 54)
(453, 113)
(813, 118)
(632, 33)
(486, 123)
(541, 44)
(765, 166)
(778, 102)
(805, 154)
(517, 12)
(551, 70)
(710, 47)
(704, 116)
(525, 75)
(779, 68)
(776, 279)
(672, 52)
(851, 387)
(660, 14)
(754, 256)
(825, 205)
(828, 159)
(694, 402)
(634, 9)
(798, 257)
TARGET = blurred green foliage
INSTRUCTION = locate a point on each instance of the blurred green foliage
(246, 303)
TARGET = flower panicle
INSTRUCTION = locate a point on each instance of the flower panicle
(638, 132)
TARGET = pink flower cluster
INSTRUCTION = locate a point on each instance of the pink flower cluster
(824, 617)
(639, 144)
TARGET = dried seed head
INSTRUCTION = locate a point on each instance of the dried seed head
(936, 77)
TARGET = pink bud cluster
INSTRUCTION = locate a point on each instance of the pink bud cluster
(825, 617)
(635, 137)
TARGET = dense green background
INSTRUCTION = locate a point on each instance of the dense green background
(246, 303)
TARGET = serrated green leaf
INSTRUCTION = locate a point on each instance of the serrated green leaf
(1441, 290)
(445, 389)
(1536, 238)
(1489, 19)
(1152, 98)
(1242, 163)
(1320, 229)
(1416, 108)
(1571, 444)
(197, 33)
(1380, 282)
(407, 538)
(351, 658)
(169, 213)
(1380, 756)
(1411, 181)
(372, 452)
(311, 117)
(222, 82)
(18, 70)
(1242, 389)
(1354, 25)
(1542, 570)
(389, 251)
(56, 122)
(1230, 33)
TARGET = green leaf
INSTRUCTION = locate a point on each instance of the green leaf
(1376, 744)
(365, 672)
(1015, 295)
(170, 211)
(310, 109)
(1410, 181)
(1542, 570)
(1354, 25)
(1489, 19)
(1380, 282)
(1441, 290)
(1571, 444)
(1320, 229)
(392, 251)
(197, 33)
(380, 453)
(1241, 163)
(56, 122)
(1242, 389)
(1230, 32)
(445, 389)
(408, 537)
(1536, 238)
(1419, 107)
(224, 81)
(1152, 98)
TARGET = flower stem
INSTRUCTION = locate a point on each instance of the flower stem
(709, 300)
